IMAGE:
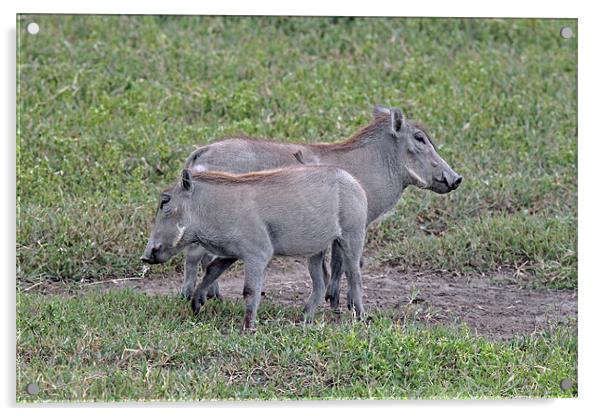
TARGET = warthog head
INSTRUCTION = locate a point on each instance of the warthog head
(423, 165)
(171, 232)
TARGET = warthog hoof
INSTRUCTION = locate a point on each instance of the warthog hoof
(186, 293)
(218, 296)
(213, 292)
(332, 296)
(304, 319)
(196, 304)
(363, 317)
(248, 324)
(248, 330)
(196, 308)
(349, 300)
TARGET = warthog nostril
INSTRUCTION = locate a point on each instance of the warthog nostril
(457, 182)
(452, 181)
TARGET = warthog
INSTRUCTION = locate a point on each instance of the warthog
(296, 211)
(385, 156)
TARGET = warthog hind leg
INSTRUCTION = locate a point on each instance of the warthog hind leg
(254, 275)
(352, 250)
(336, 270)
(315, 271)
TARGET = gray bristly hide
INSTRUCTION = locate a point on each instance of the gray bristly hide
(295, 211)
(385, 157)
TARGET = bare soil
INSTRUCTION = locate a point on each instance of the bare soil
(492, 306)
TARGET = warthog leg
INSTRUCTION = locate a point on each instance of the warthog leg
(352, 251)
(333, 288)
(195, 256)
(325, 272)
(214, 270)
(336, 270)
(315, 264)
(213, 291)
(254, 276)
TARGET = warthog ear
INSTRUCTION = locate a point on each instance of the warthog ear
(379, 110)
(186, 180)
(397, 122)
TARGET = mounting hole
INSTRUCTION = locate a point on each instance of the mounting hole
(566, 32)
(32, 388)
(33, 28)
(566, 384)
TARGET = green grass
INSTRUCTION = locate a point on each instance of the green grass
(129, 346)
(109, 107)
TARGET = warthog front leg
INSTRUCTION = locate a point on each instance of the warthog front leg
(213, 290)
(214, 270)
(315, 264)
(196, 255)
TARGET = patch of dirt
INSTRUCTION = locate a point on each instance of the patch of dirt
(491, 306)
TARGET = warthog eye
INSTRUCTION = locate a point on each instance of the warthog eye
(164, 200)
(419, 136)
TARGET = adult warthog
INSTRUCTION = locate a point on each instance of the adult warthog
(297, 211)
(385, 156)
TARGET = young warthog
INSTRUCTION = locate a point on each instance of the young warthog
(297, 211)
(385, 157)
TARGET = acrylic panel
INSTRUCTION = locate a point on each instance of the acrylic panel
(142, 149)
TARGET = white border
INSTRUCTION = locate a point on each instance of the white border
(513, 8)
(590, 175)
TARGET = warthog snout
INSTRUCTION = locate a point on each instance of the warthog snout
(453, 180)
(150, 255)
(446, 181)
